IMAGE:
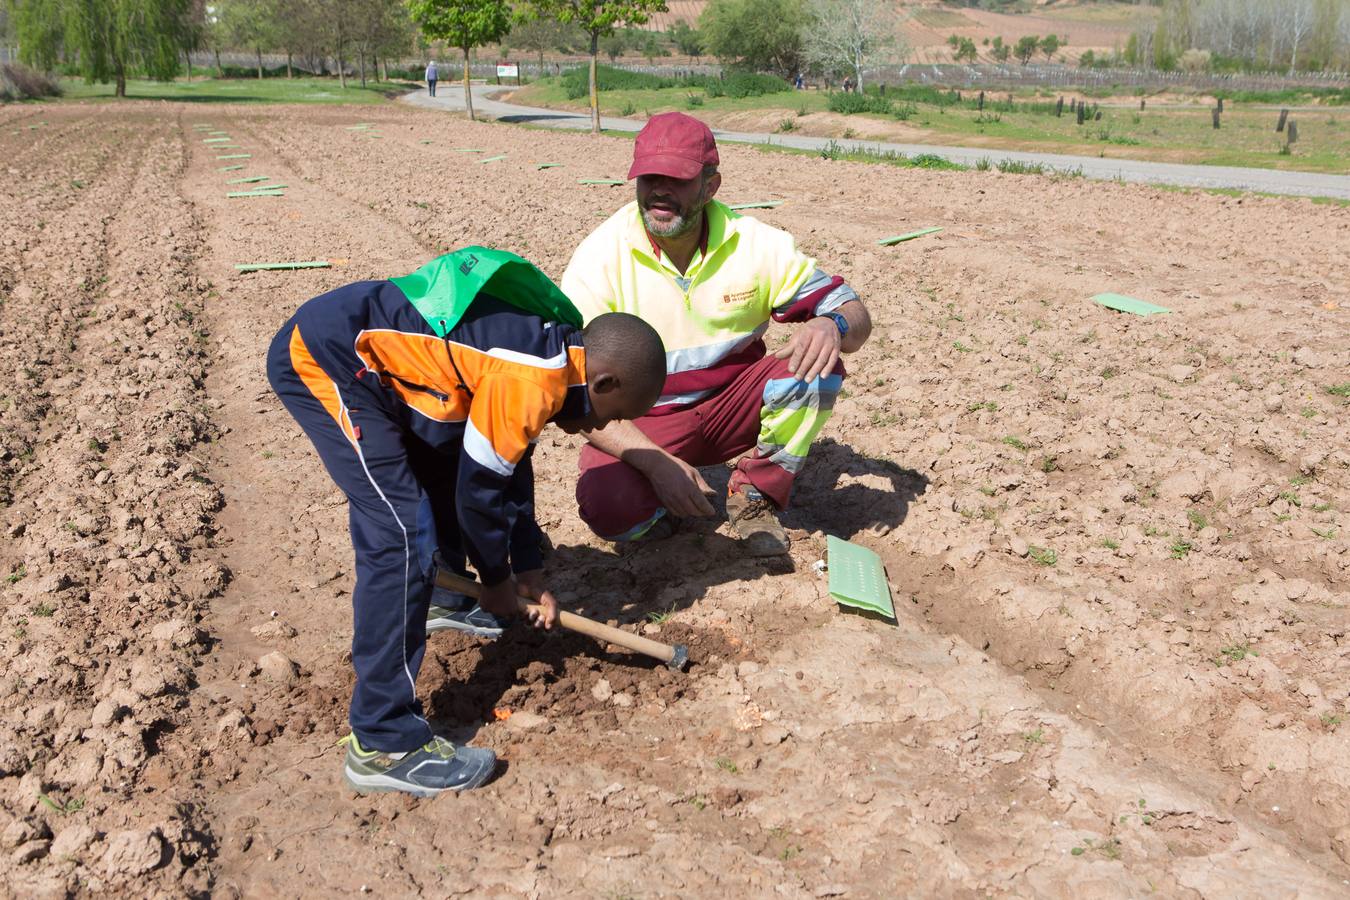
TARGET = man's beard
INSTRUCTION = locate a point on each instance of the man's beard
(682, 224)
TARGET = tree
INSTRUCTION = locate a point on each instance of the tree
(536, 33)
(1050, 45)
(248, 23)
(1000, 50)
(843, 35)
(966, 50)
(1087, 59)
(756, 34)
(465, 24)
(687, 40)
(1026, 48)
(598, 18)
(104, 38)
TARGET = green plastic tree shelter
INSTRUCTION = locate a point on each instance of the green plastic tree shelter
(443, 289)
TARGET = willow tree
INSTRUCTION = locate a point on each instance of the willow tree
(598, 18)
(465, 24)
(104, 39)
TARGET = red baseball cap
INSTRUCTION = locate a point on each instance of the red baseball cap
(674, 145)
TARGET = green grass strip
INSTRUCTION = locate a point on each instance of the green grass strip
(361, 127)
(269, 267)
(548, 165)
(1121, 303)
(236, 156)
(610, 181)
(227, 147)
(249, 180)
(468, 150)
(901, 238)
(492, 159)
(758, 204)
(218, 133)
(255, 194)
(426, 142)
(216, 140)
(232, 168)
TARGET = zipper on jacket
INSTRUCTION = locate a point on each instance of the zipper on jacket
(414, 386)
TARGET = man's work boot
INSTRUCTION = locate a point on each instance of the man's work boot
(755, 520)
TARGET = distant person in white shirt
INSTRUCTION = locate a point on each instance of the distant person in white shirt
(431, 78)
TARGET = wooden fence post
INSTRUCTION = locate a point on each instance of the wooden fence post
(1279, 126)
(1059, 107)
(1215, 113)
(1293, 131)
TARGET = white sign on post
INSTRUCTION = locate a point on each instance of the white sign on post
(508, 70)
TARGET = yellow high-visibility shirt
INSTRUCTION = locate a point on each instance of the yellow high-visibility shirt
(712, 318)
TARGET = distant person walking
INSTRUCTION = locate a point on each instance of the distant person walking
(431, 78)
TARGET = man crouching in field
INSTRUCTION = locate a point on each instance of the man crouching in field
(423, 396)
(709, 280)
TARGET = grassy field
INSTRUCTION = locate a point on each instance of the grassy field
(1177, 132)
(241, 90)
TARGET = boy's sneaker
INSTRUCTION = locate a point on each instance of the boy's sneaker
(451, 609)
(755, 520)
(434, 767)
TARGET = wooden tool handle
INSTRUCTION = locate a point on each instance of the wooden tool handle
(571, 621)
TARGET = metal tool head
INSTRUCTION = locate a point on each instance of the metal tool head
(679, 660)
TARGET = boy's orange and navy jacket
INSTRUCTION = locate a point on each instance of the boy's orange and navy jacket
(482, 359)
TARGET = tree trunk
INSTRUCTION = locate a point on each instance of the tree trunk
(258, 50)
(341, 64)
(361, 56)
(220, 72)
(595, 93)
(288, 65)
(468, 92)
(121, 72)
(187, 56)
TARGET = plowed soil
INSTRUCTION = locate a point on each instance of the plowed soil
(1118, 546)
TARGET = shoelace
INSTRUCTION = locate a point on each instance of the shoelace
(437, 745)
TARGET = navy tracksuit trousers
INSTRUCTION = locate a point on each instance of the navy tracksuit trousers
(401, 495)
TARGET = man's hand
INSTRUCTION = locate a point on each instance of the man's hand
(813, 349)
(500, 598)
(530, 585)
(679, 486)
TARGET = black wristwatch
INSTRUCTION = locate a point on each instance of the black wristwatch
(839, 321)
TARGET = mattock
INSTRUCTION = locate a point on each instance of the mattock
(675, 656)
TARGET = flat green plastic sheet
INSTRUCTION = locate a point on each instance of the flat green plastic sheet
(215, 140)
(469, 150)
(249, 180)
(609, 181)
(268, 267)
(857, 578)
(234, 168)
(1121, 303)
(492, 159)
(758, 204)
(255, 194)
(236, 156)
(900, 238)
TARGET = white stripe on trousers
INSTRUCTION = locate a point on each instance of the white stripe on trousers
(407, 548)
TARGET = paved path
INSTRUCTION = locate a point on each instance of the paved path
(1273, 181)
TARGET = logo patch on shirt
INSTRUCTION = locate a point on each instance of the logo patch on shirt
(739, 298)
(467, 266)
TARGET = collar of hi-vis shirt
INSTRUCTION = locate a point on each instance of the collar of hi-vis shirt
(713, 240)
